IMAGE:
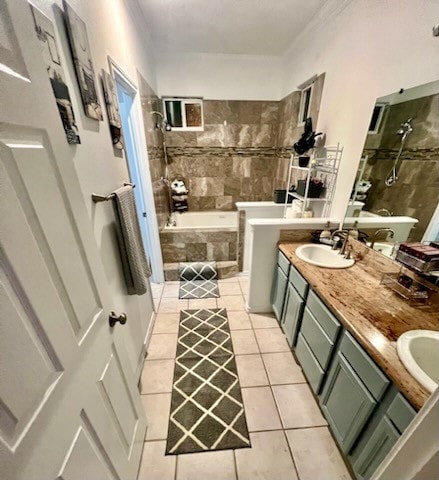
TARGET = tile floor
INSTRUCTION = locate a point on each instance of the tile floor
(290, 438)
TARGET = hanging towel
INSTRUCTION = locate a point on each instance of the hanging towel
(134, 262)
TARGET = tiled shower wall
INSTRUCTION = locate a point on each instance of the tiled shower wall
(242, 153)
(416, 193)
(154, 143)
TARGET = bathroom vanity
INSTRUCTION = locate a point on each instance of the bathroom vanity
(343, 326)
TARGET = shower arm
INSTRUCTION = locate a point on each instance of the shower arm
(405, 130)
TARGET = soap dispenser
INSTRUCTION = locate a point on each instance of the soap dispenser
(325, 236)
(353, 233)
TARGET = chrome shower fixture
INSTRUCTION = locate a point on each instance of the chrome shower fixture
(404, 131)
(163, 125)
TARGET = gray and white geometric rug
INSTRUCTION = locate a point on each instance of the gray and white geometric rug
(198, 280)
(207, 411)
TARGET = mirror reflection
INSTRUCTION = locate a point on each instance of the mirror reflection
(396, 191)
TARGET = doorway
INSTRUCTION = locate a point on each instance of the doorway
(137, 160)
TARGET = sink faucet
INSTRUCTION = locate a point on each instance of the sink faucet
(378, 232)
(345, 235)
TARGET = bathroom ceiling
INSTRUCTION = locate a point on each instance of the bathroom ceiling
(253, 27)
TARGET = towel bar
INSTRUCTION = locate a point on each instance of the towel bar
(104, 198)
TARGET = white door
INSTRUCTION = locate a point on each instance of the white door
(69, 406)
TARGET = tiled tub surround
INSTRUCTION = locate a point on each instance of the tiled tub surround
(154, 145)
(201, 236)
(236, 157)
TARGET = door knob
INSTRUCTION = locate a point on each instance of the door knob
(113, 319)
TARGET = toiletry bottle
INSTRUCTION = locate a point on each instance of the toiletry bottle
(325, 236)
(353, 233)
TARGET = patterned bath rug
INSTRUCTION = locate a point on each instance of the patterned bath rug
(207, 411)
(198, 280)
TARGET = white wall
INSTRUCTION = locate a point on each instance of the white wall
(369, 49)
(220, 77)
(116, 30)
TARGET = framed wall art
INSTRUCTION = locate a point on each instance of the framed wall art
(112, 104)
(46, 35)
(81, 53)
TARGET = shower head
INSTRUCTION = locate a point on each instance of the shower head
(406, 128)
(163, 125)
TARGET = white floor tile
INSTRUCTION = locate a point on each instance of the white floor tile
(282, 368)
(244, 342)
(231, 302)
(195, 304)
(166, 323)
(228, 280)
(271, 340)
(172, 305)
(297, 406)
(155, 465)
(251, 370)
(218, 465)
(239, 320)
(162, 345)
(157, 408)
(310, 444)
(263, 320)
(157, 376)
(268, 459)
(171, 290)
(260, 409)
(229, 289)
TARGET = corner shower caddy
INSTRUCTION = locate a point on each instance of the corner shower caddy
(323, 164)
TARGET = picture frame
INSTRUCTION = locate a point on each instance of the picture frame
(45, 32)
(80, 47)
(112, 104)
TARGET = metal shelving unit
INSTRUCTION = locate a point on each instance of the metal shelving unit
(323, 164)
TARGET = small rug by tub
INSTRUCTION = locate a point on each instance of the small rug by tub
(207, 412)
(198, 280)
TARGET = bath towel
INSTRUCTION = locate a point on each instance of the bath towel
(134, 261)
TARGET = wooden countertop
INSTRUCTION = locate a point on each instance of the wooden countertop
(372, 313)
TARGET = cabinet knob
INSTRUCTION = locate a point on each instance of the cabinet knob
(113, 319)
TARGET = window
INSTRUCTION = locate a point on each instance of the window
(305, 104)
(184, 113)
(377, 117)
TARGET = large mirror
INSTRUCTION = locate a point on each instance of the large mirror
(396, 191)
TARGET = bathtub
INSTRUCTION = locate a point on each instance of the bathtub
(201, 236)
(204, 220)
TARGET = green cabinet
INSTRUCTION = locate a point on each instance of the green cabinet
(292, 315)
(278, 292)
(378, 446)
(346, 402)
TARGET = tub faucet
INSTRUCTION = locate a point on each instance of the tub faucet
(389, 231)
(385, 212)
(345, 235)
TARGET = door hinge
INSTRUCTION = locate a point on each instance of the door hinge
(144, 214)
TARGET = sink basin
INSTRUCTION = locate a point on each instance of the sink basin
(418, 350)
(322, 256)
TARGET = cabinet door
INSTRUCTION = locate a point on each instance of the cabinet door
(346, 403)
(292, 314)
(278, 292)
(381, 441)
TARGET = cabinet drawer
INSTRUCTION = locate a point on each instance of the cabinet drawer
(292, 315)
(283, 262)
(401, 412)
(325, 318)
(310, 366)
(372, 377)
(319, 343)
(298, 282)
